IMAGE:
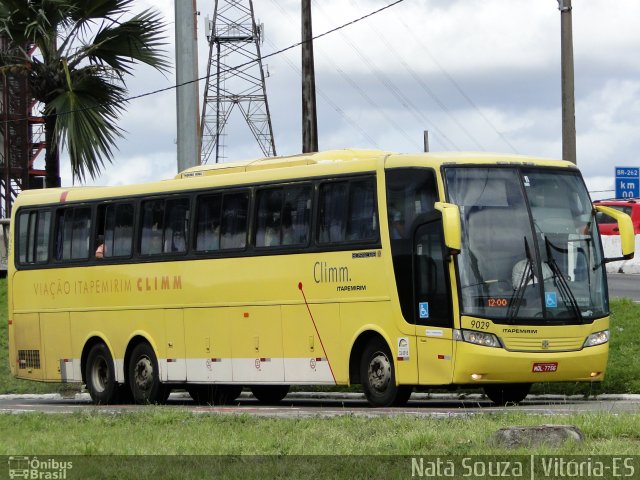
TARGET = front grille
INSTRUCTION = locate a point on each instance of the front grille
(519, 344)
(28, 358)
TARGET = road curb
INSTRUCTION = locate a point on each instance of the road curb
(350, 396)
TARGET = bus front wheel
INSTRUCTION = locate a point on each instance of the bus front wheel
(378, 376)
(144, 379)
(507, 393)
(100, 375)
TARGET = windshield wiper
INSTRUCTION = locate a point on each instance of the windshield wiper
(518, 294)
(563, 286)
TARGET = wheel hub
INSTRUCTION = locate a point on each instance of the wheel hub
(144, 373)
(379, 372)
(100, 375)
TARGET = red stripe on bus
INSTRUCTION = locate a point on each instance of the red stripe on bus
(316, 328)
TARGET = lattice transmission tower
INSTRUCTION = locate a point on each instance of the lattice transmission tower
(21, 137)
(235, 78)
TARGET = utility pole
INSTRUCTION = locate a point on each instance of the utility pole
(426, 141)
(568, 88)
(187, 95)
(309, 113)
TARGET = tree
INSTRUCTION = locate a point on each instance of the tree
(86, 49)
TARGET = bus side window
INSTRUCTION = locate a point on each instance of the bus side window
(269, 217)
(296, 216)
(73, 229)
(283, 216)
(332, 212)
(363, 220)
(118, 230)
(208, 223)
(33, 236)
(176, 225)
(347, 211)
(152, 227)
(233, 227)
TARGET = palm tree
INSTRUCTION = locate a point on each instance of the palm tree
(87, 48)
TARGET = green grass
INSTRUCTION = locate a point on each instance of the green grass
(157, 443)
(623, 374)
(162, 431)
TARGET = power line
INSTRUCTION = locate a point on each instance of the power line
(356, 87)
(457, 86)
(277, 52)
(338, 109)
(397, 92)
(420, 81)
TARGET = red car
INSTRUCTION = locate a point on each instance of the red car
(608, 225)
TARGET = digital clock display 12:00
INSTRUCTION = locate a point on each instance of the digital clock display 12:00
(497, 302)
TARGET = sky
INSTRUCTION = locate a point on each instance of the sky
(480, 75)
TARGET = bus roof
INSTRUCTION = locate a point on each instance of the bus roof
(432, 159)
(266, 169)
(280, 162)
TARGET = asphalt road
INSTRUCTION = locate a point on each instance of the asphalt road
(300, 405)
(624, 286)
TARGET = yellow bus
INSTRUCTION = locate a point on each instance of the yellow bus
(344, 267)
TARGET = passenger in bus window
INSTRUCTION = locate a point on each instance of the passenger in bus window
(209, 238)
(271, 234)
(100, 247)
(396, 225)
(178, 243)
(287, 226)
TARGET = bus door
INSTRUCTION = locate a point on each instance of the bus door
(432, 302)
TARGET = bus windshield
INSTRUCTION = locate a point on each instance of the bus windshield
(530, 247)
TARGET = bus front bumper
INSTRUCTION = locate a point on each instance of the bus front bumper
(479, 365)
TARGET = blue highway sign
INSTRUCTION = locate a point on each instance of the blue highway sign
(627, 182)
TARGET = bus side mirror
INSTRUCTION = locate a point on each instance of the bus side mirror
(450, 225)
(627, 237)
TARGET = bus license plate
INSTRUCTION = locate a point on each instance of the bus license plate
(545, 367)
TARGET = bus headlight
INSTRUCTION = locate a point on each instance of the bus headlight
(480, 338)
(597, 338)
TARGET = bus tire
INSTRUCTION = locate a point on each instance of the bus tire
(123, 395)
(144, 376)
(404, 392)
(377, 373)
(507, 393)
(227, 394)
(100, 375)
(214, 394)
(270, 394)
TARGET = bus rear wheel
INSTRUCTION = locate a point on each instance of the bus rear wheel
(378, 376)
(214, 394)
(144, 378)
(100, 376)
(507, 393)
(270, 394)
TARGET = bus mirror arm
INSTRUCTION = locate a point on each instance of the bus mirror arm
(627, 237)
(451, 226)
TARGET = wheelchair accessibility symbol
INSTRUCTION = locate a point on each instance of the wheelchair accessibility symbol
(423, 308)
(550, 300)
